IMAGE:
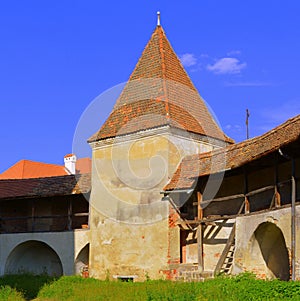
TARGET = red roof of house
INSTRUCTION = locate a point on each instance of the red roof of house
(26, 169)
(235, 155)
(159, 92)
(83, 165)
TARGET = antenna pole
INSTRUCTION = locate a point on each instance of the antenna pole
(158, 18)
(247, 122)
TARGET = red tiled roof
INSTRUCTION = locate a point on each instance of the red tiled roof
(83, 165)
(30, 169)
(45, 187)
(26, 169)
(159, 92)
(235, 155)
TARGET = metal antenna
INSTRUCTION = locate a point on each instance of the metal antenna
(158, 18)
(247, 122)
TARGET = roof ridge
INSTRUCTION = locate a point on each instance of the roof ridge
(159, 76)
(118, 102)
(40, 162)
(264, 135)
(163, 66)
(245, 142)
(237, 155)
(44, 178)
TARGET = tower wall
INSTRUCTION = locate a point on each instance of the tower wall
(130, 227)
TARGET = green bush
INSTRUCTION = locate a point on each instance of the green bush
(246, 287)
(9, 294)
(75, 288)
(28, 284)
(241, 287)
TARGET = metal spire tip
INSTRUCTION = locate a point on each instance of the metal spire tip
(158, 18)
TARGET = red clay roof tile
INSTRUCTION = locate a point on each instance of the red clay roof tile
(45, 187)
(159, 92)
(26, 169)
(234, 156)
(83, 165)
(31, 169)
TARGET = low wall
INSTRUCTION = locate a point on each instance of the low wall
(66, 245)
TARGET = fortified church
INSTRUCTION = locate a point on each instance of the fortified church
(169, 195)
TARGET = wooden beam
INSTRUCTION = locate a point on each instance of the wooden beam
(247, 204)
(259, 190)
(32, 215)
(238, 196)
(241, 209)
(200, 247)
(81, 214)
(293, 222)
(35, 217)
(277, 198)
(199, 201)
(276, 191)
(223, 199)
(207, 220)
(70, 215)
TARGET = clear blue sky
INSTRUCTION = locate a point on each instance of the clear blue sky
(57, 56)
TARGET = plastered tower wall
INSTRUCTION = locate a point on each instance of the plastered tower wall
(157, 120)
(129, 223)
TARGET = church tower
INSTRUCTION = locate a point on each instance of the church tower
(157, 120)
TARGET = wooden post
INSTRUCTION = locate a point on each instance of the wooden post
(70, 215)
(277, 197)
(199, 200)
(247, 203)
(293, 222)
(200, 233)
(32, 216)
(200, 247)
(276, 191)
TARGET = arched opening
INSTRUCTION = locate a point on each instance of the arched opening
(82, 261)
(33, 257)
(268, 247)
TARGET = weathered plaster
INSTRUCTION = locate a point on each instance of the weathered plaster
(130, 230)
(64, 244)
(248, 254)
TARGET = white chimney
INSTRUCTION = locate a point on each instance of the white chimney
(70, 163)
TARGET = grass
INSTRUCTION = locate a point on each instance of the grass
(74, 288)
(9, 294)
(26, 285)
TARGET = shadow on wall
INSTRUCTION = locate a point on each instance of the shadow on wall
(270, 240)
(33, 257)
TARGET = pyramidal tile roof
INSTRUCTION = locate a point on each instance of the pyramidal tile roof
(159, 92)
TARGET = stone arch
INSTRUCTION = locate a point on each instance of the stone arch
(269, 252)
(82, 260)
(34, 257)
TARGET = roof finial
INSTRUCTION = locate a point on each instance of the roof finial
(158, 18)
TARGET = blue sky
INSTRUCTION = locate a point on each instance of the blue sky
(57, 56)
